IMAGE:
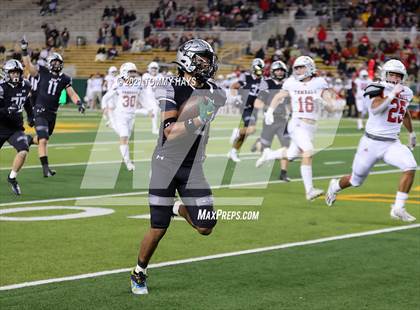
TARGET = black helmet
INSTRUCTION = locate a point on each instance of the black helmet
(257, 66)
(57, 66)
(278, 65)
(189, 58)
(13, 65)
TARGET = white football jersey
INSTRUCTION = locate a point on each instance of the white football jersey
(303, 96)
(150, 82)
(110, 81)
(388, 123)
(361, 85)
(127, 96)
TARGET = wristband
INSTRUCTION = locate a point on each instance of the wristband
(190, 126)
(24, 52)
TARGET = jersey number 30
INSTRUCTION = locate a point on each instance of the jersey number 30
(129, 101)
(396, 114)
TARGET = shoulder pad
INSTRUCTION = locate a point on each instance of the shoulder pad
(374, 90)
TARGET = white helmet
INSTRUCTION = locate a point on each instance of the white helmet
(363, 74)
(394, 66)
(127, 67)
(112, 70)
(307, 62)
(153, 66)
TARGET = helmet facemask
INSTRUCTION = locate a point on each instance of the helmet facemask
(56, 65)
(205, 66)
(394, 77)
(15, 76)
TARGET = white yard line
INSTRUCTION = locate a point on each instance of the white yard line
(211, 257)
(213, 187)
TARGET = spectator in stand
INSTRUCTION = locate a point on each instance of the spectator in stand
(112, 52)
(100, 54)
(102, 32)
(290, 36)
(322, 33)
(300, 13)
(65, 37)
(260, 53)
(146, 31)
(106, 13)
(52, 6)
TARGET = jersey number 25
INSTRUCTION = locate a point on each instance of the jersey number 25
(396, 113)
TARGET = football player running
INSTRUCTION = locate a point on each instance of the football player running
(14, 97)
(150, 79)
(177, 162)
(360, 85)
(308, 93)
(271, 86)
(126, 97)
(388, 100)
(51, 81)
(110, 81)
(247, 87)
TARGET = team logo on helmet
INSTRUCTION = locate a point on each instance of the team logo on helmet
(197, 58)
(10, 66)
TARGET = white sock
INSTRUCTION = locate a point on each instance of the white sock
(13, 174)
(125, 152)
(400, 199)
(175, 208)
(234, 151)
(336, 186)
(359, 123)
(277, 154)
(306, 173)
(138, 269)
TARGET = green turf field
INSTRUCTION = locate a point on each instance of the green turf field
(374, 272)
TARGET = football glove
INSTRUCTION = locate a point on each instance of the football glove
(24, 46)
(39, 110)
(412, 140)
(13, 109)
(269, 116)
(396, 91)
(81, 107)
(207, 110)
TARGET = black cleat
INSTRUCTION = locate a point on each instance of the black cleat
(48, 172)
(283, 177)
(30, 140)
(14, 186)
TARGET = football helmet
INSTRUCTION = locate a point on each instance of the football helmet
(197, 58)
(306, 62)
(127, 69)
(257, 66)
(112, 70)
(278, 65)
(394, 66)
(363, 74)
(13, 65)
(153, 67)
(55, 62)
